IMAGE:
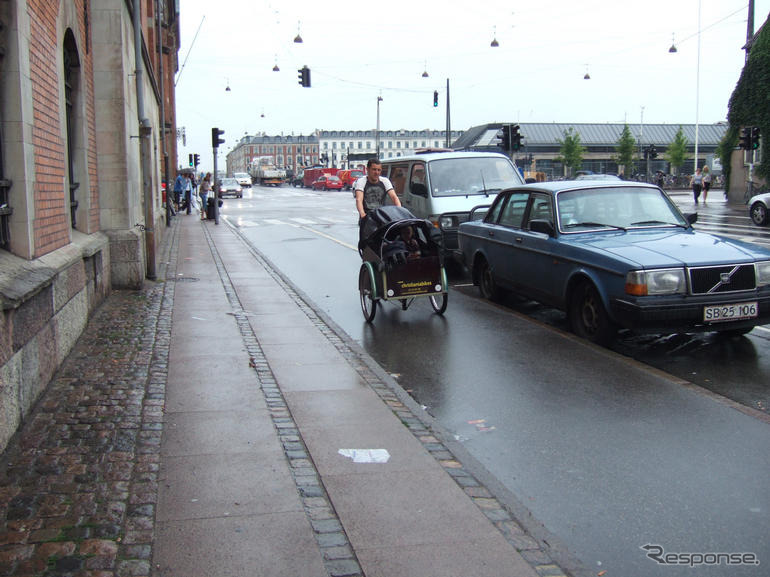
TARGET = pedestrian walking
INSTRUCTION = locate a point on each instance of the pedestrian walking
(697, 184)
(706, 182)
(179, 184)
(188, 194)
(205, 188)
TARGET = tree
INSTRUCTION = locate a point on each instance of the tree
(748, 103)
(677, 151)
(571, 151)
(626, 147)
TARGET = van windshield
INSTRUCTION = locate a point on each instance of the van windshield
(472, 176)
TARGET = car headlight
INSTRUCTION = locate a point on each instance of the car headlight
(656, 282)
(447, 222)
(763, 273)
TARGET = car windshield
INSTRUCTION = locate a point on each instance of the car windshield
(616, 208)
(241, 175)
(472, 176)
(229, 182)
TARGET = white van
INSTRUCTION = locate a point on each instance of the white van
(445, 186)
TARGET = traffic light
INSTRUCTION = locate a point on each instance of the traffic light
(215, 140)
(304, 76)
(515, 137)
(190, 160)
(653, 151)
(435, 98)
(745, 139)
(504, 134)
(754, 142)
(196, 160)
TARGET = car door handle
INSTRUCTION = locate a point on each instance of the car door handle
(519, 239)
(491, 233)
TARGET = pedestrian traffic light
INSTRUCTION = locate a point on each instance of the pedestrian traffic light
(754, 137)
(190, 160)
(196, 159)
(435, 98)
(515, 137)
(215, 140)
(304, 76)
(745, 139)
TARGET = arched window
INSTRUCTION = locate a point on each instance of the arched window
(71, 88)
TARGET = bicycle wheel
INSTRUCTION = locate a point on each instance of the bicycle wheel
(439, 302)
(367, 291)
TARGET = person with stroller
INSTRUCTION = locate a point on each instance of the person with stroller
(372, 190)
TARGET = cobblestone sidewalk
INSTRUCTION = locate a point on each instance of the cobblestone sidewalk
(78, 483)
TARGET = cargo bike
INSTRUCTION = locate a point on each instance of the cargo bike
(401, 261)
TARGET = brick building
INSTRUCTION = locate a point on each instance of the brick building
(86, 110)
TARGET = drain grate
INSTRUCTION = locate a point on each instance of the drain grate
(185, 279)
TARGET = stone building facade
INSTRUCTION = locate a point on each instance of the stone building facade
(86, 107)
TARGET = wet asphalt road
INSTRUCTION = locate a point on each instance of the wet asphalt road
(607, 454)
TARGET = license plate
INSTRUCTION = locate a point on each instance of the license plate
(734, 312)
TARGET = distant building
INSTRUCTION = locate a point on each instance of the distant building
(334, 148)
(540, 145)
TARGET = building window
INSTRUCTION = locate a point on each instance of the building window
(71, 89)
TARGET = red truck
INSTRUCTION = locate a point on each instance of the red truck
(312, 174)
(348, 177)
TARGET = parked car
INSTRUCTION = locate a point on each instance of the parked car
(230, 186)
(298, 178)
(327, 182)
(758, 205)
(616, 254)
(243, 179)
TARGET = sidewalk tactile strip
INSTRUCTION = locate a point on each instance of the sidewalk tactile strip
(338, 556)
(529, 548)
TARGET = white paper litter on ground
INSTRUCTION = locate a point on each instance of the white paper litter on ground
(366, 455)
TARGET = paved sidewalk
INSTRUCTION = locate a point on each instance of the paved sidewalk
(213, 425)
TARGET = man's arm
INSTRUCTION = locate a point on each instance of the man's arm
(394, 197)
(360, 203)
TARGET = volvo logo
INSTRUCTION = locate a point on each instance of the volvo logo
(724, 277)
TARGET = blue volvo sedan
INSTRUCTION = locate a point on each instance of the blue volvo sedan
(615, 255)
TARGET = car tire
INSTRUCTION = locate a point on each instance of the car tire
(588, 317)
(758, 214)
(487, 285)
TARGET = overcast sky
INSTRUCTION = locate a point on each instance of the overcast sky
(536, 74)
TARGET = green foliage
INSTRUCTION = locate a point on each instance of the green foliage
(677, 150)
(725, 151)
(749, 101)
(571, 151)
(626, 148)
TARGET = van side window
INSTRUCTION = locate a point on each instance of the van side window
(398, 177)
(417, 183)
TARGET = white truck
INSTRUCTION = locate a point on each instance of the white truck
(263, 171)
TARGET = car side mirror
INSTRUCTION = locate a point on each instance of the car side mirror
(542, 226)
(692, 217)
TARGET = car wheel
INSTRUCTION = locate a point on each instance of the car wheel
(588, 317)
(759, 214)
(487, 284)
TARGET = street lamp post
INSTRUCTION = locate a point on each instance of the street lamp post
(377, 132)
(697, 93)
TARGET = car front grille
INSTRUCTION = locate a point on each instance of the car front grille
(722, 279)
